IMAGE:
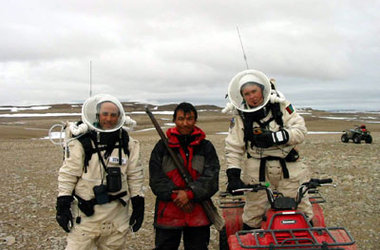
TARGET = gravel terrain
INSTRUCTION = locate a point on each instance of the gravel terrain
(29, 168)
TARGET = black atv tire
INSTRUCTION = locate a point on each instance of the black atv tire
(356, 139)
(368, 139)
(223, 239)
(344, 138)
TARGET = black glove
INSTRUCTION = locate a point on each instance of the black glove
(234, 182)
(137, 215)
(266, 138)
(64, 217)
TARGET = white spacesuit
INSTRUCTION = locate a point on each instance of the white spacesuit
(261, 142)
(100, 175)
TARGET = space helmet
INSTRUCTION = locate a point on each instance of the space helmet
(91, 108)
(242, 78)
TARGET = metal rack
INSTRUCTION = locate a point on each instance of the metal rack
(310, 238)
(315, 196)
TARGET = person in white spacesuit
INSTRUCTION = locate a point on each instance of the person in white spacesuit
(100, 176)
(263, 133)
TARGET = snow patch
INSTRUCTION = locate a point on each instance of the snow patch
(39, 115)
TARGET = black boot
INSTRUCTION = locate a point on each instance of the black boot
(246, 227)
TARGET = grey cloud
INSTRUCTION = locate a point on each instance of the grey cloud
(174, 50)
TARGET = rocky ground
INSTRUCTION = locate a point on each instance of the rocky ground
(29, 167)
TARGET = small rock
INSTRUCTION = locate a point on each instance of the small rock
(10, 240)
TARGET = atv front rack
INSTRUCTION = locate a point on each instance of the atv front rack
(315, 196)
(229, 201)
(310, 238)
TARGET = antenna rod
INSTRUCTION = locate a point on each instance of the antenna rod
(242, 48)
(90, 79)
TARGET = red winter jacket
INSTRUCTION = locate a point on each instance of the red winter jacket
(203, 165)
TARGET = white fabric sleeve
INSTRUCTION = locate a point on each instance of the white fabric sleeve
(135, 171)
(294, 124)
(71, 169)
(234, 143)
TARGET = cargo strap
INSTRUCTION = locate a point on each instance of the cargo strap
(87, 139)
(110, 198)
(89, 204)
(249, 118)
(263, 162)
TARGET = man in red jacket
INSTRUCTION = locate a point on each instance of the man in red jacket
(178, 208)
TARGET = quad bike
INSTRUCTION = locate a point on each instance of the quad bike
(357, 134)
(285, 227)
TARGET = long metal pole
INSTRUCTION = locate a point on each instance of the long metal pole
(242, 48)
(90, 78)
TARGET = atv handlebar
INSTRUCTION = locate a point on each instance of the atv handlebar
(302, 190)
(312, 183)
(321, 181)
(251, 188)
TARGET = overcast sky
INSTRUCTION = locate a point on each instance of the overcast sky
(322, 53)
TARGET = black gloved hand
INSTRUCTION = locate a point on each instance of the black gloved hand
(137, 216)
(266, 138)
(63, 216)
(234, 181)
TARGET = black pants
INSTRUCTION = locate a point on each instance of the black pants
(196, 238)
(246, 227)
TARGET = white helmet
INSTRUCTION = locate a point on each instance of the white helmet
(246, 76)
(90, 112)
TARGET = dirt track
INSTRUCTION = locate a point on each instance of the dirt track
(29, 167)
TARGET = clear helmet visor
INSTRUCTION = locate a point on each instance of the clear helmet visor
(103, 113)
(244, 79)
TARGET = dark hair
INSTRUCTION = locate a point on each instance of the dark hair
(186, 108)
(251, 83)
